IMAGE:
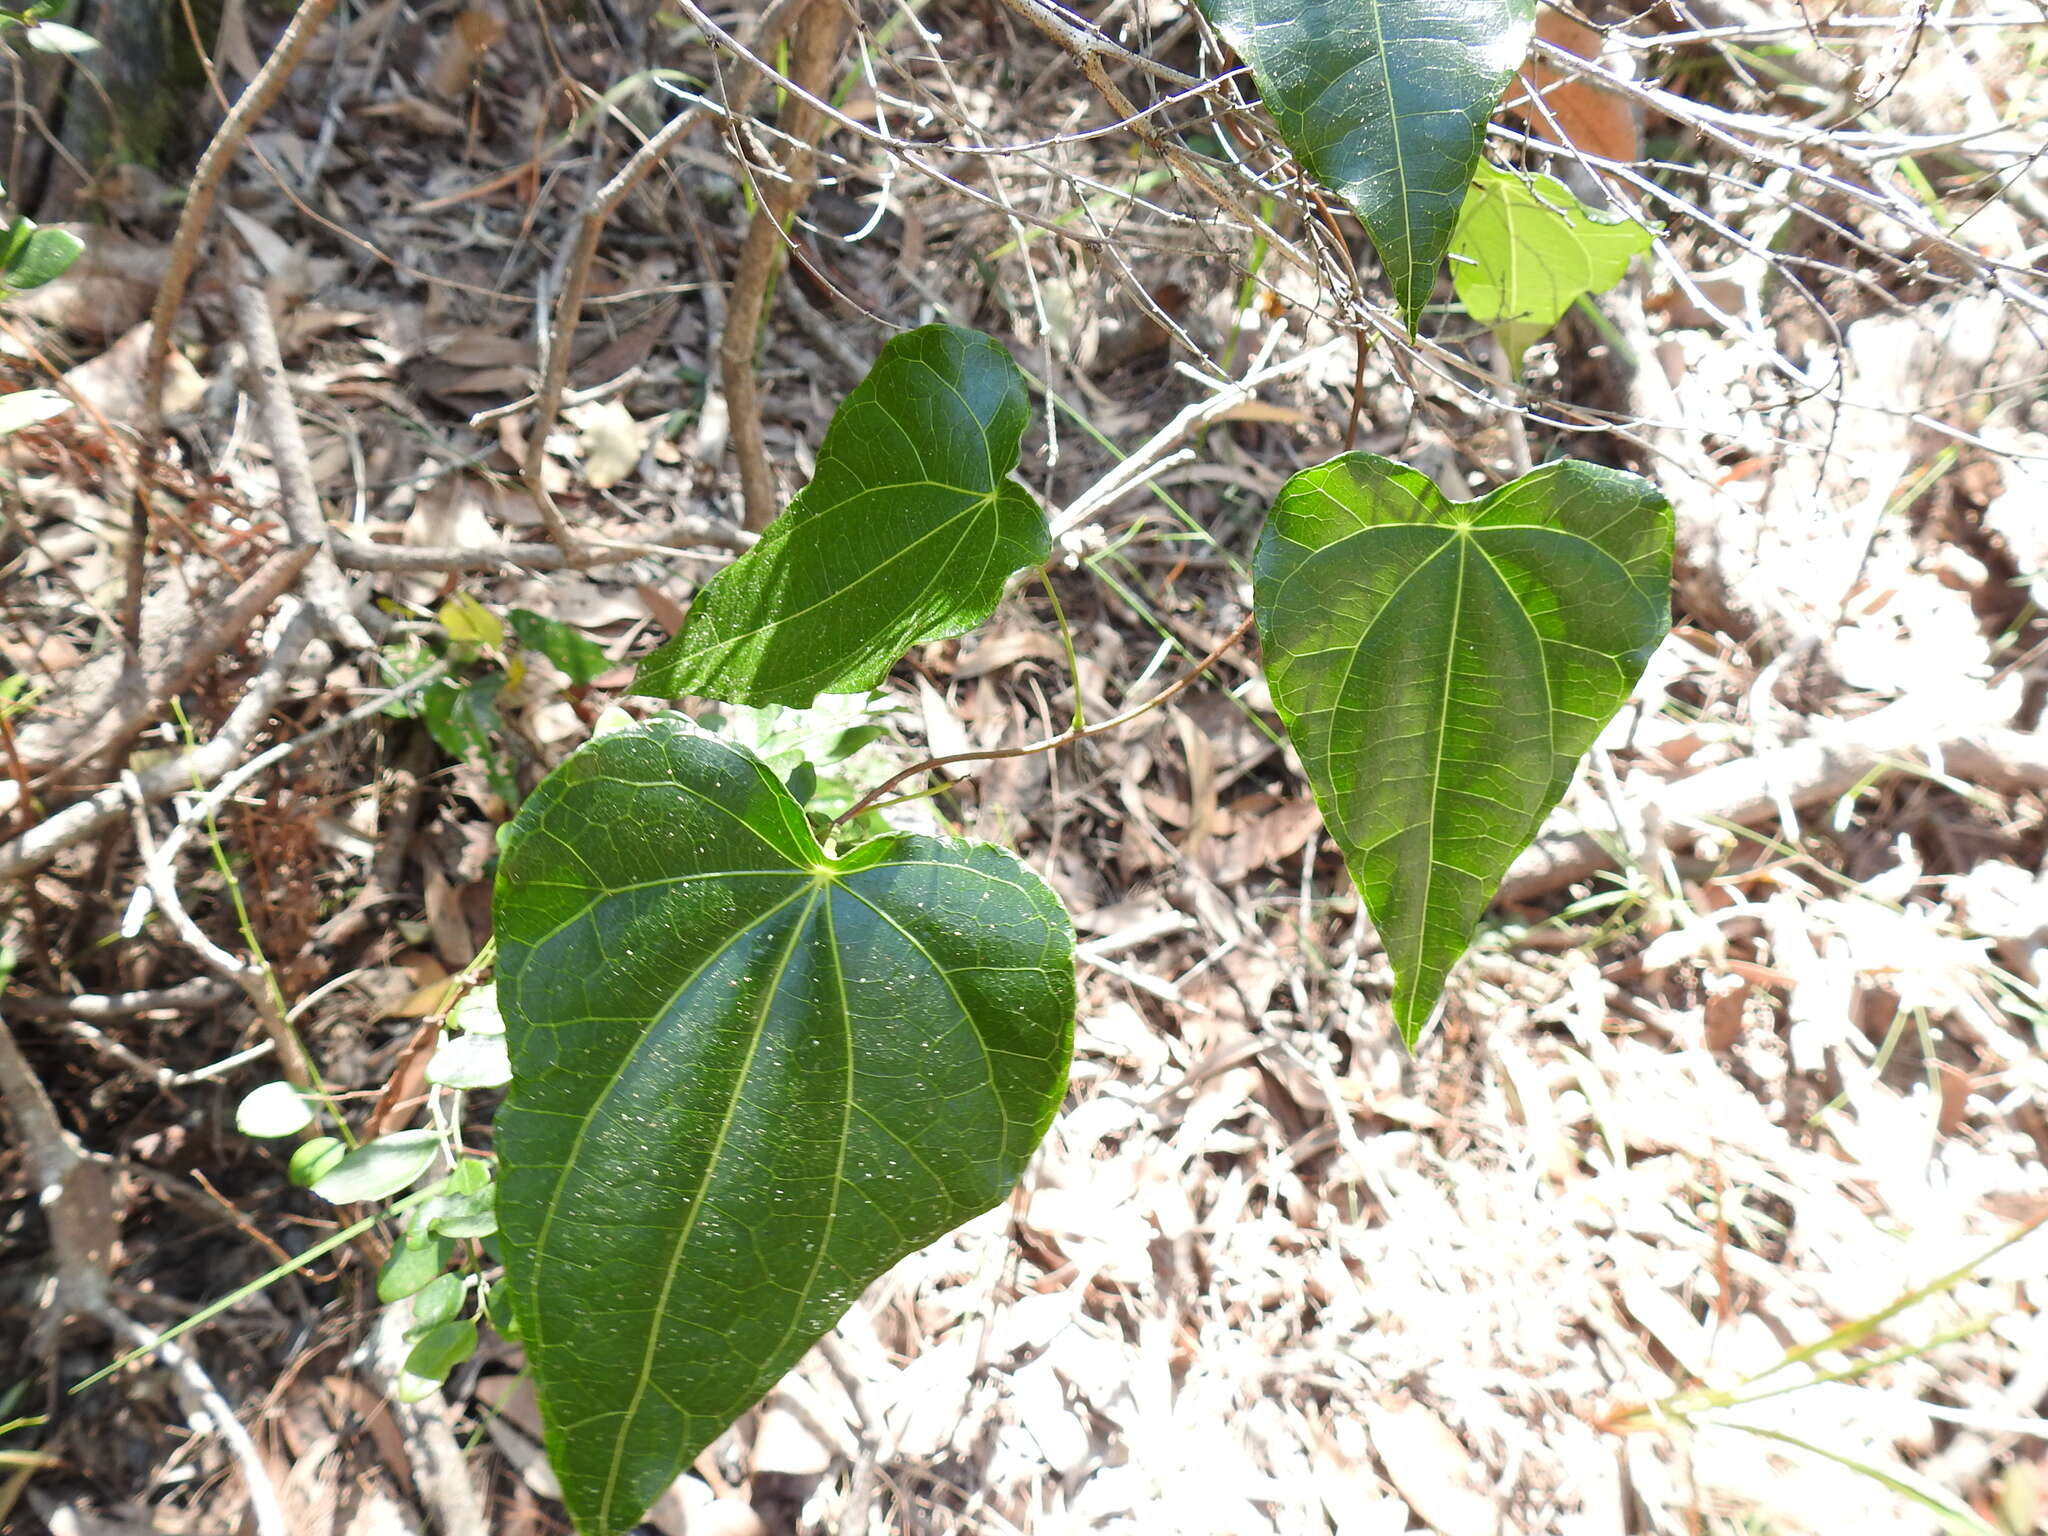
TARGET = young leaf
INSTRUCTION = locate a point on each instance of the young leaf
(748, 1076)
(379, 1168)
(1384, 102)
(314, 1160)
(418, 1259)
(1526, 248)
(37, 256)
(906, 534)
(27, 407)
(1441, 666)
(275, 1109)
(579, 656)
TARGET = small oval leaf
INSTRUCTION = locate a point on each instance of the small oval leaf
(413, 1263)
(312, 1161)
(380, 1168)
(273, 1110)
(470, 1061)
(748, 1076)
(438, 1352)
(1441, 667)
(906, 534)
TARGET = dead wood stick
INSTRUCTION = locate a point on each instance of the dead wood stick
(76, 1191)
(325, 589)
(98, 1007)
(1749, 791)
(134, 706)
(360, 555)
(221, 150)
(203, 764)
(814, 57)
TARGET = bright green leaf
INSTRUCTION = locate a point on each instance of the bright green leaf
(470, 1061)
(1385, 102)
(313, 1160)
(469, 622)
(1525, 249)
(45, 256)
(1442, 666)
(748, 1076)
(379, 1168)
(906, 534)
(275, 1109)
(413, 1263)
(581, 658)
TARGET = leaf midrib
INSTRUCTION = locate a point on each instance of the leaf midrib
(697, 1201)
(965, 516)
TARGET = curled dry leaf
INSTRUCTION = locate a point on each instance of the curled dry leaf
(1573, 113)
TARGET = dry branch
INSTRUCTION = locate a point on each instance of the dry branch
(326, 589)
(184, 252)
(818, 32)
(202, 765)
(1750, 792)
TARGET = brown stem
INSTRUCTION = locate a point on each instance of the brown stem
(815, 55)
(178, 263)
(1066, 738)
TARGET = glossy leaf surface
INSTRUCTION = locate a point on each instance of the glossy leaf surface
(1385, 102)
(1441, 667)
(1526, 248)
(906, 534)
(748, 1076)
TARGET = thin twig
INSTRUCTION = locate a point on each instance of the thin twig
(560, 342)
(1053, 743)
(326, 589)
(75, 823)
(815, 56)
(358, 555)
(220, 152)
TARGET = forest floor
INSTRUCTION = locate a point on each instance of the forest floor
(1750, 1050)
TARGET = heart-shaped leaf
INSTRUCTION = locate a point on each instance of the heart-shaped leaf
(906, 534)
(1385, 102)
(1442, 666)
(748, 1076)
(1526, 249)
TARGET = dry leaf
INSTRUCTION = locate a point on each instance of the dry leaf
(473, 35)
(1573, 113)
(112, 382)
(611, 441)
(1430, 1467)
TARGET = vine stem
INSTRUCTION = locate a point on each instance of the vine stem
(1066, 738)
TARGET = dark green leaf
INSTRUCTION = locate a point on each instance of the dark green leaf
(1442, 666)
(463, 718)
(748, 1076)
(906, 534)
(1385, 102)
(581, 658)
